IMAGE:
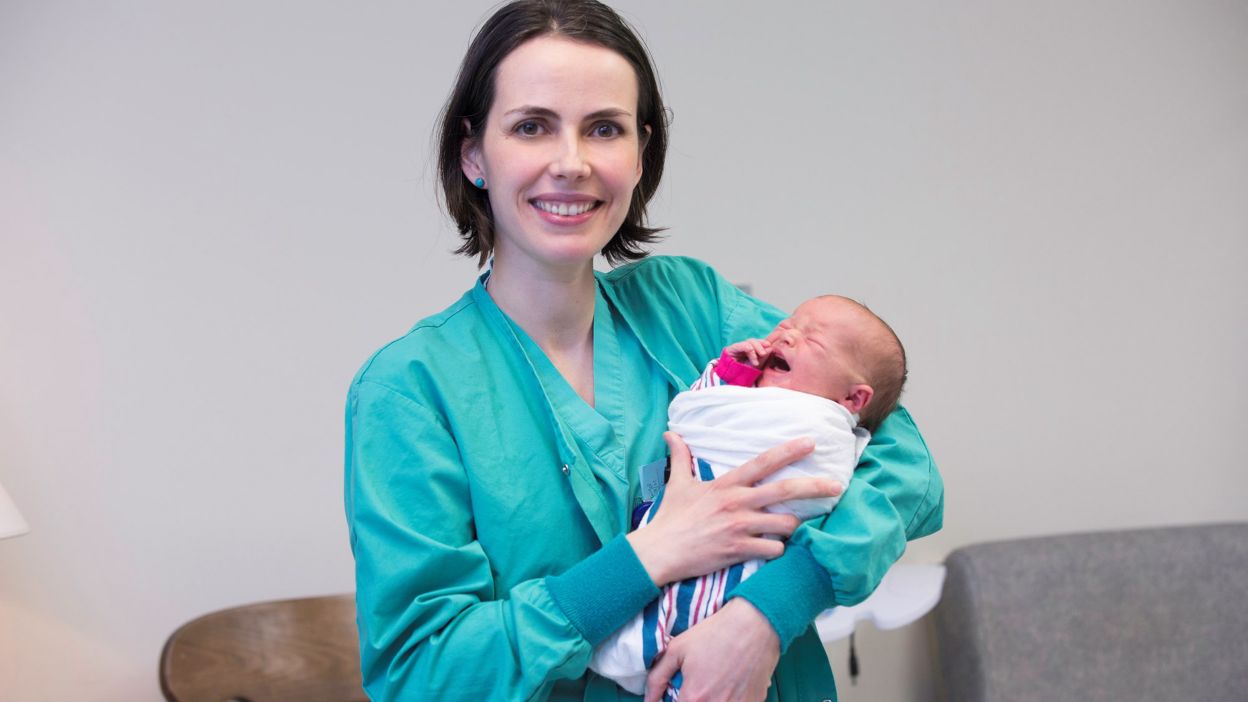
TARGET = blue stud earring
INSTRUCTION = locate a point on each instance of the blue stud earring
(479, 182)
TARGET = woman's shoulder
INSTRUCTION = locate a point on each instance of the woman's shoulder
(672, 282)
(684, 289)
(676, 271)
(407, 360)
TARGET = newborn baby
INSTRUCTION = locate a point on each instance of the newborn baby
(833, 371)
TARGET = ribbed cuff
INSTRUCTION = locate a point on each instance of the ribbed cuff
(734, 372)
(602, 592)
(790, 591)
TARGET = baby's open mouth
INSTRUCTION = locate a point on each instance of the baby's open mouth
(776, 362)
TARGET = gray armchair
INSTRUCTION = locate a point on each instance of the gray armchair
(1150, 614)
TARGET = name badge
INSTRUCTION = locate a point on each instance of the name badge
(653, 477)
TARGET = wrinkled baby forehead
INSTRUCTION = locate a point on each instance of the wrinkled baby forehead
(843, 319)
(833, 313)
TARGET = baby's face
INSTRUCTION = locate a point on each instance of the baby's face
(810, 351)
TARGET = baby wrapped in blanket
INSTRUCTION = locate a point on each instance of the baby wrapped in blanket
(831, 372)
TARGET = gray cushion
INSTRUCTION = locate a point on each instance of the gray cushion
(1153, 614)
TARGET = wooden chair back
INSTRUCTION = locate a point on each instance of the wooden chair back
(301, 650)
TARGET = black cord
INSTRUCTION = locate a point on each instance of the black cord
(853, 661)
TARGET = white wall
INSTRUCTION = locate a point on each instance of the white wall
(210, 213)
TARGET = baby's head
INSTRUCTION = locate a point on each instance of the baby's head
(837, 348)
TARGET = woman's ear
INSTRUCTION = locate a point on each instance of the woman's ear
(470, 155)
(858, 397)
(644, 138)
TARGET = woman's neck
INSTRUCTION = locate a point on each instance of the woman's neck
(556, 309)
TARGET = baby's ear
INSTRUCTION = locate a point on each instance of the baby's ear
(858, 397)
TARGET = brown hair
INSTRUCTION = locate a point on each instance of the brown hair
(882, 360)
(886, 374)
(470, 101)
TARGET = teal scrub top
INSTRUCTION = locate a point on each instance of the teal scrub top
(487, 501)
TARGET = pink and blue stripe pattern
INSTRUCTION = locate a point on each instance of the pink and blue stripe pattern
(684, 604)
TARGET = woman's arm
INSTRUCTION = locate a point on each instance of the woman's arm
(432, 625)
(428, 606)
(836, 559)
(896, 494)
(708, 525)
(740, 651)
(839, 558)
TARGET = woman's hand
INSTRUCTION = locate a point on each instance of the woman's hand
(731, 655)
(704, 526)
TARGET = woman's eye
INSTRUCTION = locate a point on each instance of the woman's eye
(606, 130)
(528, 128)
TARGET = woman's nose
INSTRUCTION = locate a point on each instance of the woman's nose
(570, 161)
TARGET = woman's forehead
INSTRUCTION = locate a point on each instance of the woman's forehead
(551, 72)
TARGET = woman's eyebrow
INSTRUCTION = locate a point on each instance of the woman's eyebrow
(610, 112)
(532, 111)
(535, 111)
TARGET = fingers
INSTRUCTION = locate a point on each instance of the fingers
(793, 489)
(768, 462)
(752, 351)
(740, 350)
(679, 456)
(782, 525)
(765, 549)
(661, 674)
(761, 350)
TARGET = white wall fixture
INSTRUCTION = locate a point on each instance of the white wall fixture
(11, 521)
(906, 593)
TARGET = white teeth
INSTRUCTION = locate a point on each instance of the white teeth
(564, 209)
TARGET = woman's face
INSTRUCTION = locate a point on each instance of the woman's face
(560, 152)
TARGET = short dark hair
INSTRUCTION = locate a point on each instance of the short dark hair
(512, 25)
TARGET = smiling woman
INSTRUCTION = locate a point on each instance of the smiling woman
(590, 26)
(495, 452)
(560, 154)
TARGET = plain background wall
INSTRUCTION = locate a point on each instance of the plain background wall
(211, 213)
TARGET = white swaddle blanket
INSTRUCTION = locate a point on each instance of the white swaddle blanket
(727, 425)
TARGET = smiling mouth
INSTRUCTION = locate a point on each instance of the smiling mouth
(566, 209)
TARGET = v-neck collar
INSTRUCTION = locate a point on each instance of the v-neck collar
(594, 426)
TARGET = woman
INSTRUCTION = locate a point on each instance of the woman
(493, 453)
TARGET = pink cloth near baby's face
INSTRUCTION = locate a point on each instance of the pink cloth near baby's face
(735, 372)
